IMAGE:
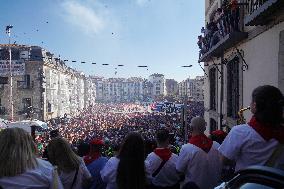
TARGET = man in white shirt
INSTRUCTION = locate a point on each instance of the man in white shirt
(254, 143)
(199, 160)
(161, 163)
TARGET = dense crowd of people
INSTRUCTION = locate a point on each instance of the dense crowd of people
(143, 153)
(111, 122)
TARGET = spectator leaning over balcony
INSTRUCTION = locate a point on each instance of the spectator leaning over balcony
(72, 169)
(218, 20)
(161, 163)
(259, 141)
(19, 167)
(235, 15)
(226, 15)
(214, 35)
(200, 160)
(201, 46)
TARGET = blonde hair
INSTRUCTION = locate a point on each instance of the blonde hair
(17, 152)
(61, 155)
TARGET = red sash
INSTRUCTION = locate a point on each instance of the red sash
(201, 141)
(267, 131)
(164, 153)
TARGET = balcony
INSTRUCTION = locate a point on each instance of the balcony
(260, 12)
(225, 30)
(230, 40)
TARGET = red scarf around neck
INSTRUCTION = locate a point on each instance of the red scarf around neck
(91, 157)
(164, 153)
(266, 131)
(201, 141)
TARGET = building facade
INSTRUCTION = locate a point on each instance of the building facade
(119, 89)
(240, 55)
(193, 89)
(46, 88)
(171, 87)
(158, 85)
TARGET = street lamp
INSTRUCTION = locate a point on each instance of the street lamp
(184, 111)
(8, 31)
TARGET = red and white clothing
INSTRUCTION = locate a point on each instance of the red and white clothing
(201, 166)
(168, 175)
(248, 147)
(41, 177)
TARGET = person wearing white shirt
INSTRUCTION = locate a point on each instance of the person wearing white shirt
(255, 142)
(161, 163)
(199, 160)
(20, 169)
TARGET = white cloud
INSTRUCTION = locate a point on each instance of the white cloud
(83, 17)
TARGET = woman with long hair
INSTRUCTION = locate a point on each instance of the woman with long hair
(259, 141)
(127, 170)
(72, 169)
(19, 167)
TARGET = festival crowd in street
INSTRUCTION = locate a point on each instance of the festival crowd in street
(110, 146)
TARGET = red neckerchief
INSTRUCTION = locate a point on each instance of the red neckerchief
(267, 131)
(91, 157)
(201, 141)
(164, 153)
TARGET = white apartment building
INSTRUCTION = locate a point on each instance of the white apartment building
(193, 89)
(158, 83)
(119, 89)
(249, 54)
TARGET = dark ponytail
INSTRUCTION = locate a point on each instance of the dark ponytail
(269, 105)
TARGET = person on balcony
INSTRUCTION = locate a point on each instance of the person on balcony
(234, 16)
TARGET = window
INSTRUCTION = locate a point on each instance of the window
(213, 125)
(49, 107)
(25, 83)
(212, 80)
(2, 109)
(233, 88)
(27, 102)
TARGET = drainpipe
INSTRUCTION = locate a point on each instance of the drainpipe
(222, 91)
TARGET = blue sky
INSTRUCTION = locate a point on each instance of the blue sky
(161, 34)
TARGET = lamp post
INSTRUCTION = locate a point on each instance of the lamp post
(184, 111)
(8, 31)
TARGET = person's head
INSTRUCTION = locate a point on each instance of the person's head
(61, 154)
(83, 149)
(54, 134)
(163, 138)
(131, 169)
(267, 105)
(17, 152)
(197, 125)
(218, 136)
